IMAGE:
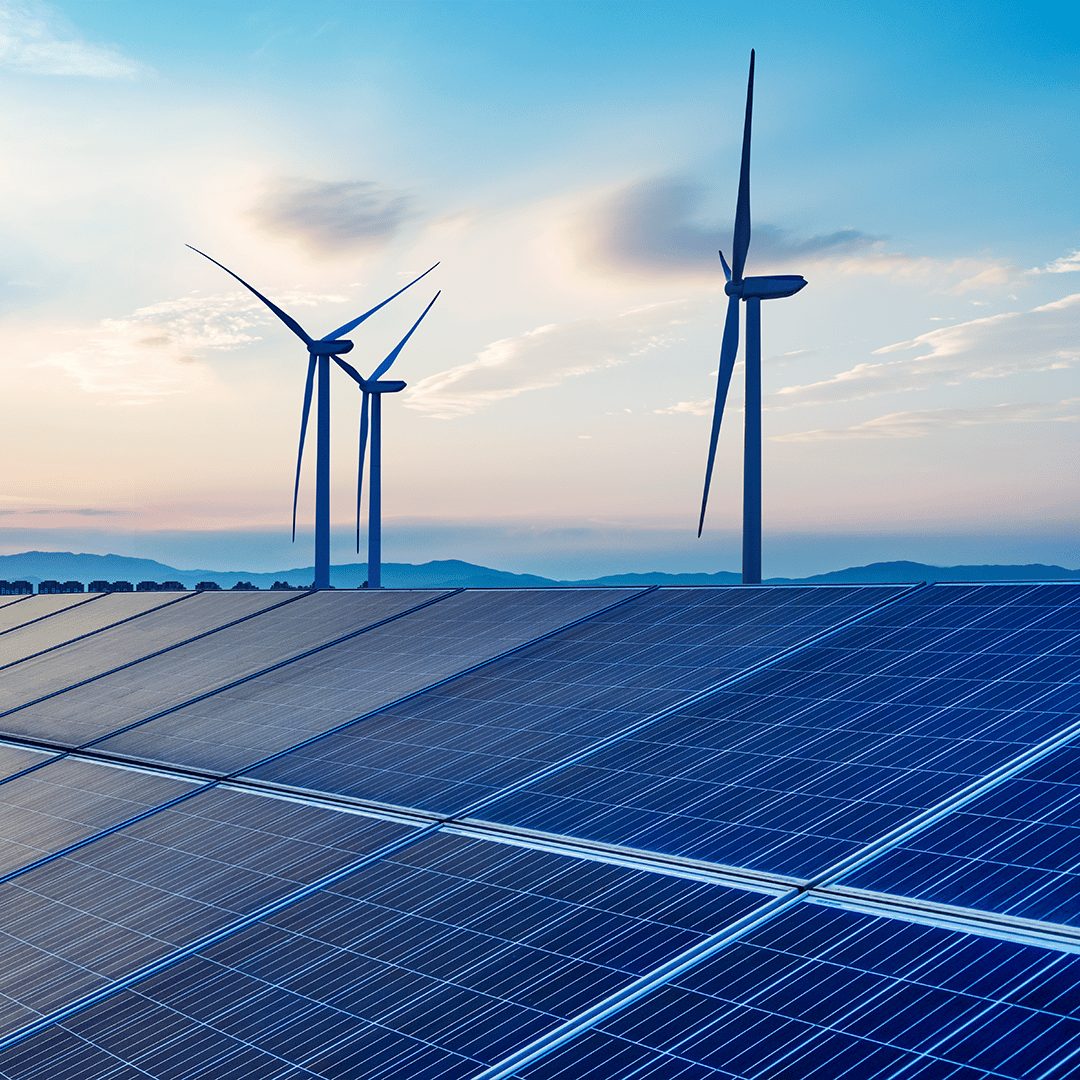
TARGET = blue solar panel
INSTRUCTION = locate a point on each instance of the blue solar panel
(1015, 851)
(100, 913)
(66, 801)
(427, 964)
(823, 994)
(246, 724)
(805, 762)
(466, 739)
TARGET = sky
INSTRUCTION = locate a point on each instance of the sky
(572, 166)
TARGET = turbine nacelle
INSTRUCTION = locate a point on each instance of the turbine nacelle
(766, 288)
(329, 348)
(382, 386)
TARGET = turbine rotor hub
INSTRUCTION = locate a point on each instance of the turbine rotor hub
(329, 348)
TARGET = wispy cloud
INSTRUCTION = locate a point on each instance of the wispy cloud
(915, 425)
(331, 218)
(1042, 339)
(1067, 264)
(545, 357)
(35, 39)
(655, 226)
(155, 351)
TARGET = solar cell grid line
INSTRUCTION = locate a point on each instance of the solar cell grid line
(201, 667)
(27, 609)
(827, 994)
(1015, 850)
(769, 777)
(456, 744)
(109, 609)
(110, 650)
(435, 960)
(51, 807)
(239, 727)
(97, 914)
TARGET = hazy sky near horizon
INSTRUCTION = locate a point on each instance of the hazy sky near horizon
(573, 165)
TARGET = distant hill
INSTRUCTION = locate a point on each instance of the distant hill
(35, 566)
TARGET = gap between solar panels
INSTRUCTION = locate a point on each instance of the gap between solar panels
(89, 633)
(157, 652)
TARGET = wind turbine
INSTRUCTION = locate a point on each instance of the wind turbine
(752, 291)
(319, 355)
(373, 389)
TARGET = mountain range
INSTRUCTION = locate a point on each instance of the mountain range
(35, 566)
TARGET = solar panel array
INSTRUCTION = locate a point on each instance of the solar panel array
(761, 832)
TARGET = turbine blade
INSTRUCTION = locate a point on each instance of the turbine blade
(356, 322)
(350, 371)
(360, 468)
(740, 243)
(728, 351)
(385, 365)
(288, 320)
(727, 269)
(309, 386)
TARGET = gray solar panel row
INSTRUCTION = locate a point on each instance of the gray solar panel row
(1013, 645)
(89, 658)
(22, 610)
(229, 654)
(72, 623)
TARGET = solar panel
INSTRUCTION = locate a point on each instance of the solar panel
(107, 909)
(431, 962)
(1015, 851)
(464, 740)
(800, 765)
(76, 622)
(96, 709)
(17, 759)
(233, 934)
(822, 994)
(198, 613)
(22, 610)
(66, 801)
(245, 724)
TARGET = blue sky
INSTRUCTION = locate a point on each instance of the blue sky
(573, 165)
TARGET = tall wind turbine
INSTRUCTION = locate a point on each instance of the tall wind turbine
(373, 389)
(752, 291)
(319, 355)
